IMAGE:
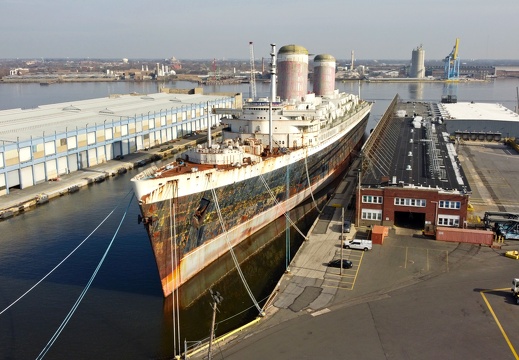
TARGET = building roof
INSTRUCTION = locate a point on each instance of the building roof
(477, 111)
(23, 124)
(409, 155)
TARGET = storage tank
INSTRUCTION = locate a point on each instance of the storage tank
(418, 63)
(292, 65)
(324, 74)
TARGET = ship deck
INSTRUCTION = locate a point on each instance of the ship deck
(186, 167)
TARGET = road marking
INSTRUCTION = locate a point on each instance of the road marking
(320, 312)
(497, 321)
(357, 272)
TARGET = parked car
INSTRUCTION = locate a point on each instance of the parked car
(346, 227)
(346, 264)
(359, 244)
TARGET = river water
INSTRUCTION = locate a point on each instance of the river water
(123, 314)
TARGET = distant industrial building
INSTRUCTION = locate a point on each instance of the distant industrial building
(417, 63)
(40, 144)
(507, 71)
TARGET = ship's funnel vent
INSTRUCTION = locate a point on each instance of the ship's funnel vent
(292, 68)
(324, 74)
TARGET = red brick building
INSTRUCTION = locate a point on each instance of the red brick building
(411, 206)
(410, 175)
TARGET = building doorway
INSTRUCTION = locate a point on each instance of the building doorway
(410, 220)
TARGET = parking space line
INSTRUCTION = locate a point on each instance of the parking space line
(357, 272)
(337, 280)
(497, 321)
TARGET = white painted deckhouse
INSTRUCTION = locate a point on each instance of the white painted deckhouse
(42, 143)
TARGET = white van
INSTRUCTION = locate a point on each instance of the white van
(359, 244)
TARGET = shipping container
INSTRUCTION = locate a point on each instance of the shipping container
(472, 236)
(378, 234)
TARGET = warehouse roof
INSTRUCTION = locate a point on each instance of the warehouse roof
(22, 124)
(478, 111)
(413, 151)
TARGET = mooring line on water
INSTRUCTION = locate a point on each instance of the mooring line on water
(241, 312)
(236, 263)
(62, 261)
(83, 293)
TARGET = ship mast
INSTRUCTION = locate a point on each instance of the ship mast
(272, 90)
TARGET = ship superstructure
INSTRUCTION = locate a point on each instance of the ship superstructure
(275, 152)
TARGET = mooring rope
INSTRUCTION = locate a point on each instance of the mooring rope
(277, 203)
(236, 263)
(62, 261)
(310, 184)
(174, 260)
(83, 293)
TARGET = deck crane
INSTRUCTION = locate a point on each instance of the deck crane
(452, 63)
(252, 73)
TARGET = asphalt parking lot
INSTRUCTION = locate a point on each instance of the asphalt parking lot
(411, 298)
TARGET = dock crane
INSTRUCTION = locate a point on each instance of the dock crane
(452, 63)
(252, 73)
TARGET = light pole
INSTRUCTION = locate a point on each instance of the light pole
(342, 236)
(358, 200)
(217, 299)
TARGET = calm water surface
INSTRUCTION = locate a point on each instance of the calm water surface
(124, 315)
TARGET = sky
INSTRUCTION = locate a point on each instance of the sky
(222, 29)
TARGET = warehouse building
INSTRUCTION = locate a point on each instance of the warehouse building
(411, 175)
(40, 144)
(478, 121)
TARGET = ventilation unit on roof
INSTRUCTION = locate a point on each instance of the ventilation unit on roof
(71, 108)
(106, 111)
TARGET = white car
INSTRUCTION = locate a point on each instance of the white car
(359, 244)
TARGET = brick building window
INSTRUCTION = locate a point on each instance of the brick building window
(370, 214)
(372, 199)
(448, 220)
(449, 204)
(410, 202)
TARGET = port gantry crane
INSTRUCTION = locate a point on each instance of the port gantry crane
(252, 73)
(452, 64)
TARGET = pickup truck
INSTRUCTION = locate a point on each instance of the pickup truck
(359, 244)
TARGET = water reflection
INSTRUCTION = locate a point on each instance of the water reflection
(416, 91)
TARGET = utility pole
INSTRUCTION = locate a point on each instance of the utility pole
(342, 236)
(217, 299)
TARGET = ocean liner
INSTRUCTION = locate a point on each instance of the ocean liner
(274, 153)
